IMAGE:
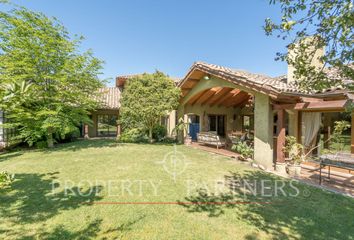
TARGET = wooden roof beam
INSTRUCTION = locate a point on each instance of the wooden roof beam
(214, 91)
(244, 103)
(219, 95)
(324, 106)
(234, 92)
(196, 97)
(206, 96)
(238, 99)
(224, 98)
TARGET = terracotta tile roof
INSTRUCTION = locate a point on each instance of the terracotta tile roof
(109, 97)
(255, 81)
(252, 80)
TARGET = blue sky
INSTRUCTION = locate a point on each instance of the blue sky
(134, 36)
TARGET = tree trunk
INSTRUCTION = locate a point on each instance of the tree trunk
(50, 138)
(150, 135)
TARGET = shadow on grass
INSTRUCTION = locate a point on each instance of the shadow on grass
(91, 231)
(8, 155)
(76, 146)
(31, 198)
(311, 214)
(83, 144)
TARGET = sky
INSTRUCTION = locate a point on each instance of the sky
(135, 36)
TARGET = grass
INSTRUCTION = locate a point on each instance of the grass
(343, 146)
(38, 206)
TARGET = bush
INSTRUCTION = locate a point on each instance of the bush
(41, 144)
(134, 135)
(6, 179)
(294, 150)
(168, 140)
(243, 149)
(68, 137)
(159, 132)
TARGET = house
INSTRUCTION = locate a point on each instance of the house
(223, 100)
(220, 99)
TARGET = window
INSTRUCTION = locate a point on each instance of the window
(107, 125)
(217, 124)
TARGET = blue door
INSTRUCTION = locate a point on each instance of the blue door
(193, 130)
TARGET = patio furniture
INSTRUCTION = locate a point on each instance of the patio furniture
(211, 138)
(340, 160)
(235, 137)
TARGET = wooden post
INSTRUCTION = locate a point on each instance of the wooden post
(327, 130)
(280, 136)
(326, 136)
(299, 127)
(86, 130)
(352, 134)
(119, 130)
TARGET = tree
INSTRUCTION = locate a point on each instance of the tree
(146, 98)
(331, 23)
(47, 84)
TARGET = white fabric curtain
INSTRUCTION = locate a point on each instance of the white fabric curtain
(312, 124)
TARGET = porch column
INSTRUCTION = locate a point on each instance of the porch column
(263, 139)
(180, 114)
(86, 130)
(299, 127)
(280, 136)
(352, 135)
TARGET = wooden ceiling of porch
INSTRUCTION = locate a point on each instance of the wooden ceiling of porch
(221, 96)
(217, 96)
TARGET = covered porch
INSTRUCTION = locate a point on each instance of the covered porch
(228, 102)
(231, 105)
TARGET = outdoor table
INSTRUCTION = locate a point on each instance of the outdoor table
(339, 160)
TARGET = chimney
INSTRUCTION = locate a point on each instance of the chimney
(314, 57)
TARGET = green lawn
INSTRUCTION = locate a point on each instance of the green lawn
(38, 207)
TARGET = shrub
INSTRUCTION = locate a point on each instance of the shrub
(41, 144)
(159, 132)
(168, 140)
(68, 137)
(294, 150)
(243, 149)
(134, 135)
(6, 179)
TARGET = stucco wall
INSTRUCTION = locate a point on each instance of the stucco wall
(171, 122)
(263, 140)
(204, 111)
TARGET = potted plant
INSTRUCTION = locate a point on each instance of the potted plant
(180, 128)
(295, 153)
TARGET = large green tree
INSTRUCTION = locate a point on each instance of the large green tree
(331, 23)
(47, 83)
(146, 98)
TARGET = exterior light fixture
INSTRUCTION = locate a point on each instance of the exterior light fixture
(206, 77)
